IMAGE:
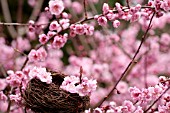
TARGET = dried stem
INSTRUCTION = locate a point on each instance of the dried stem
(7, 17)
(81, 72)
(132, 61)
(156, 100)
(19, 12)
(127, 2)
(85, 10)
(24, 63)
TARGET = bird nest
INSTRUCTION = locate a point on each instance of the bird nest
(49, 98)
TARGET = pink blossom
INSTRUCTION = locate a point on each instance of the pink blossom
(65, 15)
(51, 33)
(16, 98)
(59, 41)
(79, 29)
(122, 87)
(165, 39)
(69, 84)
(139, 110)
(135, 93)
(128, 106)
(116, 23)
(37, 55)
(111, 16)
(43, 38)
(64, 23)
(102, 20)
(105, 8)
(15, 78)
(55, 26)
(97, 110)
(41, 74)
(56, 7)
(86, 87)
(135, 17)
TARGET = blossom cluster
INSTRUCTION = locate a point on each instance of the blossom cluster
(83, 87)
(104, 54)
(81, 29)
(37, 55)
(142, 98)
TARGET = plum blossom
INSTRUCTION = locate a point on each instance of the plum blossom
(86, 87)
(43, 38)
(69, 84)
(116, 23)
(37, 55)
(55, 26)
(102, 20)
(41, 74)
(81, 29)
(15, 78)
(59, 41)
(56, 7)
(72, 84)
(105, 8)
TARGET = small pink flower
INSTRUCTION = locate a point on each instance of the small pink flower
(135, 17)
(90, 30)
(64, 23)
(139, 110)
(43, 38)
(105, 8)
(37, 55)
(59, 41)
(41, 74)
(15, 79)
(79, 29)
(56, 7)
(102, 20)
(55, 26)
(129, 107)
(51, 33)
(69, 84)
(116, 23)
(17, 97)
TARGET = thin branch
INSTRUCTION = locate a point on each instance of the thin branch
(7, 17)
(156, 100)
(85, 10)
(81, 72)
(24, 63)
(129, 65)
(19, 12)
(127, 2)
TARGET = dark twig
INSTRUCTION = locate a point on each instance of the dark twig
(127, 2)
(129, 65)
(81, 72)
(85, 10)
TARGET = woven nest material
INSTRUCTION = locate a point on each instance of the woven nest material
(49, 98)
